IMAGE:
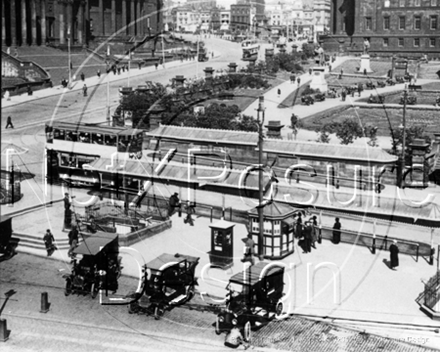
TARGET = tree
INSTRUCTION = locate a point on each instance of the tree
(348, 130)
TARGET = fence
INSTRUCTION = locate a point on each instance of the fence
(6, 191)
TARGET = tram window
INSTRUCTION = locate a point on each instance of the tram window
(64, 160)
(58, 134)
(71, 136)
(82, 161)
(84, 137)
(97, 138)
(110, 140)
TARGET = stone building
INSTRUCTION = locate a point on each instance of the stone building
(41, 22)
(407, 27)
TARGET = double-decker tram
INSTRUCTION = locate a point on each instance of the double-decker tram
(250, 49)
(69, 146)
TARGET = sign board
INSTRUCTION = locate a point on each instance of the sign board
(414, 87)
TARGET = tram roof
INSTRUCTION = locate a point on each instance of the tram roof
(123, 131)
(284, 147)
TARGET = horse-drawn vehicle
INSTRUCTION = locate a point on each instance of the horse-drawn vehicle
(254, 298)
(169, 280)
(99, 267)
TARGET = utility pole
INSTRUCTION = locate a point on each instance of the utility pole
(260, 120)
(402, 183)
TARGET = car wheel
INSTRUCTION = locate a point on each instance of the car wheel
(217, 326)
(158, 312)
(68, 288)
(189, 293)
(279, 309)
(247, 331)
(94, 290)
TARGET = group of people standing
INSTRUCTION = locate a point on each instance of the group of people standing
(307, 233)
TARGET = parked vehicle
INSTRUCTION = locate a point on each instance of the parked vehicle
(307, 100)
(7, 250)
(370, 85)
(254, 299)
(390, 82)
(169, 280)
(319, 97)
(98, 268)
(381, 84)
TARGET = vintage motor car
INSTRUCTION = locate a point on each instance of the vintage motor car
(254, 298)
(307, 100)
(96, 266)
(169, 280)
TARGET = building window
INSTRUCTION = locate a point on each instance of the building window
(432, 42)
(417, 22)
(433, 2)
(416, 42)
(385, 41)
(386, 22)
(402, 3)
(386, 3)
(433, 22)
(417, 3)
(368, 23)
(402, 22)
(401, 42)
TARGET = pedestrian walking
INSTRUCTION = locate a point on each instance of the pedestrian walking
(156, 65)
(307, 237)
(292, 79)
(119, 70)
(279, 92)
(98, 73)
(173, 203)
(360, 88)
(7, 95)
(337, 231)
(9, 122)
(73, 241)
(248, 250)
(298, 80)
(85, 90)
(83, 76)
(314, 224)
(189, 211)
(329, 68)
(49, 242)
(365, 71)
(394, 255)
(299, 226)
(140, 65)
(343, 94)
(29, 89)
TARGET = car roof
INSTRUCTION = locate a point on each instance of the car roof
(95, 243)
(255, 273)
(165, 260)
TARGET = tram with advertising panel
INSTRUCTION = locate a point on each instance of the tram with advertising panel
(250, 48)
(70, 146)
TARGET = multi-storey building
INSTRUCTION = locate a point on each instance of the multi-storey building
(406, 27)
(38, 22)
(243, 17)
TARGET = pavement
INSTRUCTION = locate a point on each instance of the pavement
(343, 282)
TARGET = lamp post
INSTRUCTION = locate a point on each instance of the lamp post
(70, 60)
(260, 121)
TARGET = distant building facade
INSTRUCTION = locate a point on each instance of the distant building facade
(406, 27)
(41, 22)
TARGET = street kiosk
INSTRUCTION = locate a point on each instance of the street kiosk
(222, 244)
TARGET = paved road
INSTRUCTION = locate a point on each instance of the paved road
(30, 117)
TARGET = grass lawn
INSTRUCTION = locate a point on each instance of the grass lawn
(429, 71)
(334, 81)
(423, 98)
(380, 68)
(375, 117)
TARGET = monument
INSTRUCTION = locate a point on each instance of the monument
(365, 59)
(318, 79)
